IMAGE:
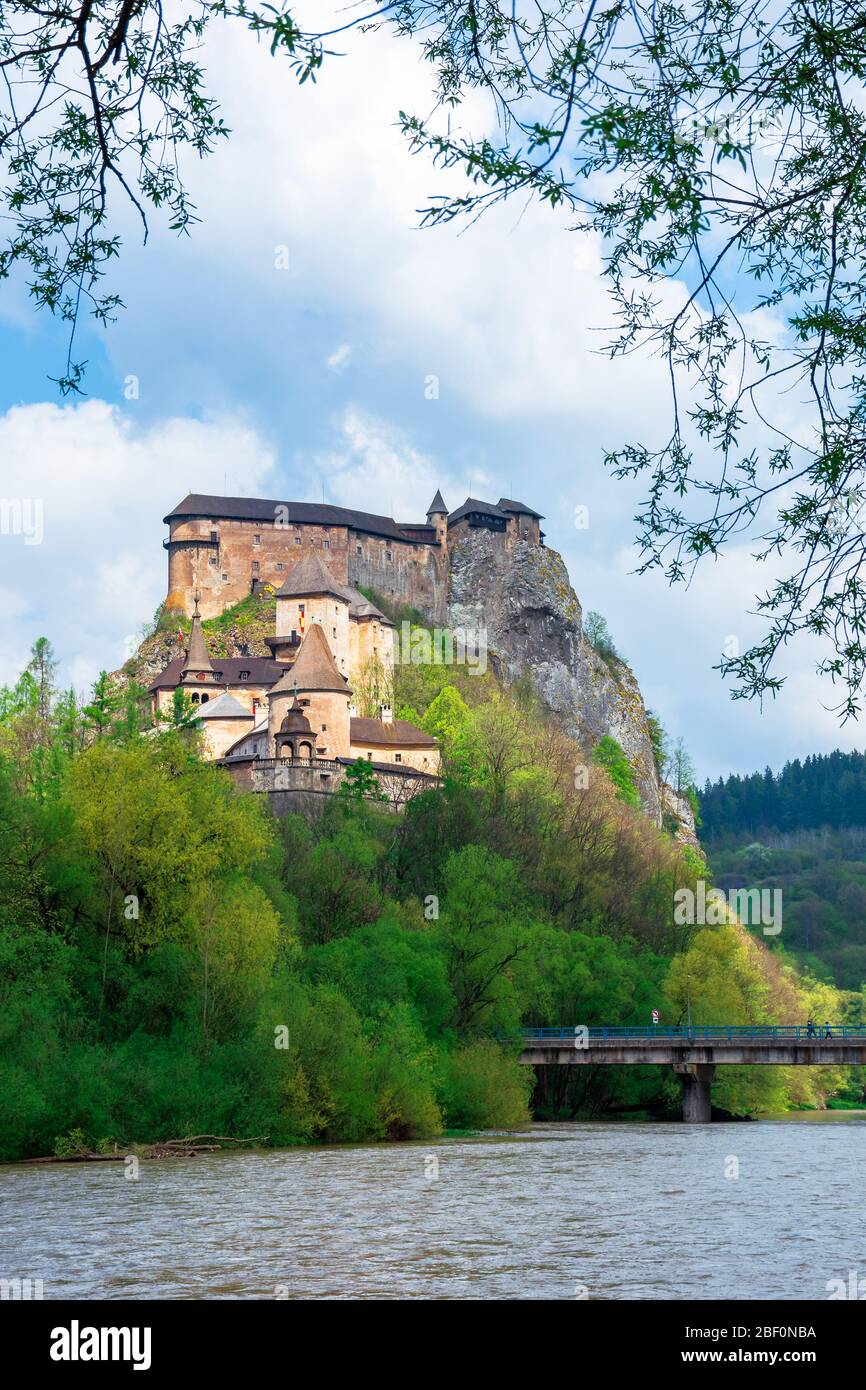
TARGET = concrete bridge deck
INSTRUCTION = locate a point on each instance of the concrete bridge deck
(694, 1052)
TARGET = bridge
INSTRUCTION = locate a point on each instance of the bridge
(694, 1052)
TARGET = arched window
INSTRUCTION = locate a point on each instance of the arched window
(305, 751)
(194, 698)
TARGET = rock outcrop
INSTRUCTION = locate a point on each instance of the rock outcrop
(524, 599)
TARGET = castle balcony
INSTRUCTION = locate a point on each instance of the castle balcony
(189, 540)
(314, 764)
(292, 642)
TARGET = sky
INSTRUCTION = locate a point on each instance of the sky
(286, 349)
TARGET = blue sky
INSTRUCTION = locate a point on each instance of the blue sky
(309, 380)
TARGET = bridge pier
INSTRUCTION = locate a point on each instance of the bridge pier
(696, 1078)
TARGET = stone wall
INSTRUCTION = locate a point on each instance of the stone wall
(222, 559)
(223, 569)
(412, 573)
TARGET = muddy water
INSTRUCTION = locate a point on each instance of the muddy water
(616, 1210)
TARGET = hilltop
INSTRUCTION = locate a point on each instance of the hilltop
(522, 599)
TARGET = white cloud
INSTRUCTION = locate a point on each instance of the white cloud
(506, 312)
(375, 467)
(340, 358)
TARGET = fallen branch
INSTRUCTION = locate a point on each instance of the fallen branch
(163, 1148)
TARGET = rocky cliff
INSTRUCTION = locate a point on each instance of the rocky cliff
(524, 599)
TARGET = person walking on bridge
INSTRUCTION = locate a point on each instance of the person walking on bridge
(828, 1031)
(810, 1029)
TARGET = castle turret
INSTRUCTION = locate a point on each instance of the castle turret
(437, 515)
(197, 673)
(311, 596)
(315, 683)
(295, 740)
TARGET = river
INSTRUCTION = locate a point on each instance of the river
(564, 1211)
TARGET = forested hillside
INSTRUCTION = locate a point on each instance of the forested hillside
(802, 832)
(174, 961)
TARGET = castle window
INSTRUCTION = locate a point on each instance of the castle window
(214, 535)
(279, 569)
(225, 578)
(255, 566)
(398, 757)
(369, 756)
(204, 699)
(297, 540)
(389, 554)
(194, 698)
(324, 728)
(243, 675)
(335, 632)
(212, 560)
(326, 544)
(257, 540)
(359, 550)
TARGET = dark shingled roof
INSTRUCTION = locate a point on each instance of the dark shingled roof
(437, 505)
(314, 668)
(472, 504)
(197, 504)
(311, 576)
(506, 504)
(197, 658)
(395, 731)
(263, 671)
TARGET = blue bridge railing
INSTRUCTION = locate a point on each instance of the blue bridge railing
(784, 1032)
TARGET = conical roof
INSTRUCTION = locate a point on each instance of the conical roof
(296, 722)
(311, 576)
(314, 668)
(197, 658)
(437, 505)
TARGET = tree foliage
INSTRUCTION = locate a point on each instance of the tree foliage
(173, 958)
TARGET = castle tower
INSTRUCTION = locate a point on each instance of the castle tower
(320, 691)
(295, 740)
(437, 515)
(197, 675)
(311, 596)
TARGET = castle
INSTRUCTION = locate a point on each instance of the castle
(225, 548)
(295, 708)
(296, 720)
